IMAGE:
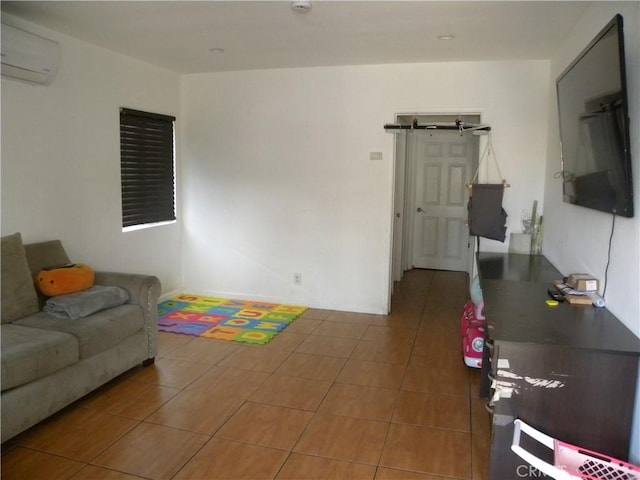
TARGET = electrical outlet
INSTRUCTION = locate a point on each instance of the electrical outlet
(297, 279)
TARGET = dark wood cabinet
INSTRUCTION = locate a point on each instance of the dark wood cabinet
(569, 371)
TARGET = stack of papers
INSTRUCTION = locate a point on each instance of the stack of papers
(572, 295)
(567, 290)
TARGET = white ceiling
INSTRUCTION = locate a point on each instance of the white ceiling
(179, 35)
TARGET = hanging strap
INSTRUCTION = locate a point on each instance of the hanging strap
(488, 149)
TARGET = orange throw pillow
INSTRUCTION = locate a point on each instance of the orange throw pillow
(69, 279)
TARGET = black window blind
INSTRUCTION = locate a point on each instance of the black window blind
(146, 167)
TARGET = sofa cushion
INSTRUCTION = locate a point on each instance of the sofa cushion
(95, 333)
(19, 297)
(44, 255)
(32, 353)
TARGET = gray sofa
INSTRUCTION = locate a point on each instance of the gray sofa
(49, 362)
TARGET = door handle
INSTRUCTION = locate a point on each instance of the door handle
(420, 210)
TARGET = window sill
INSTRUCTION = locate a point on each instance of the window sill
(133, 228)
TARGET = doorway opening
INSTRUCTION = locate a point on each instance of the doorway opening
(432, 170)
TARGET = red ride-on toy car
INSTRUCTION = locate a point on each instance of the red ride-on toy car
(472, 330)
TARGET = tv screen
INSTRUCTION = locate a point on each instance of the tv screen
(594, 126)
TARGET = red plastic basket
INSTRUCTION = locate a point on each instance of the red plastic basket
(571, 462)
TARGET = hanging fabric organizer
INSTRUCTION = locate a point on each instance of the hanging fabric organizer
(487, 218)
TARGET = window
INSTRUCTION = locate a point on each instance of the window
(147, 164)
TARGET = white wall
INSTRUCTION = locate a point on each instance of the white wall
(277, 177)
(576, 239)
(61, 158)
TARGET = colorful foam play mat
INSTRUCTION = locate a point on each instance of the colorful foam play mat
(224, 319)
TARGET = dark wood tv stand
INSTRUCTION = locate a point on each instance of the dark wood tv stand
(577, 364)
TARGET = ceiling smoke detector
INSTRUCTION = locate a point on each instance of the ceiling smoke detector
(302, 6)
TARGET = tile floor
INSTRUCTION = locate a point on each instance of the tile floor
(335, 396)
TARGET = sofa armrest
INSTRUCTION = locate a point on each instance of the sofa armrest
(143, 290)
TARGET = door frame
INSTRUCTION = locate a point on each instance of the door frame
(404, 192)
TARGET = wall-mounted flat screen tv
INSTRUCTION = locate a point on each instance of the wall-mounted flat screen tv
(594, 126)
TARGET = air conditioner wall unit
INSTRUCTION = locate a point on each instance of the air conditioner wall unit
(28, 57)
